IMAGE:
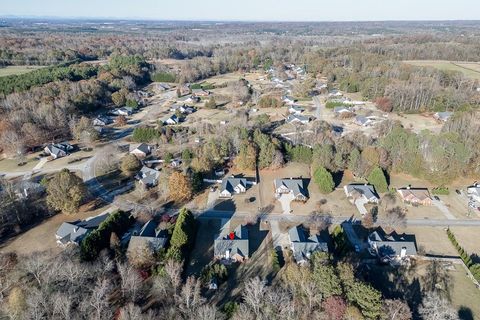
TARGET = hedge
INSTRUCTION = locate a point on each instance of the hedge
(466, 258)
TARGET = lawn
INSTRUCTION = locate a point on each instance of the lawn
(17, 70)
(409, 284)
(469, 70)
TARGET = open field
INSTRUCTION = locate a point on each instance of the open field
(468, 69)
(16, 70)
(409, 285)
(42, 237)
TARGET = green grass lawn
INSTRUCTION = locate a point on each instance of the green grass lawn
(468, 70)
(16, 70)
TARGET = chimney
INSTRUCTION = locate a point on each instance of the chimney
(231, 235)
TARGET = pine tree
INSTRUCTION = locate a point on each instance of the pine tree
(378, 180)
(324, 180)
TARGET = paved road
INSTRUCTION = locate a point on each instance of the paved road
(217, 214)
(319, 111)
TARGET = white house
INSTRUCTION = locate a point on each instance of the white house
(474, 192)
(295, 109)
(298, 119)
(232, 185)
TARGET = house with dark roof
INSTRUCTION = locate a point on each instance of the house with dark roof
(391, 246)
(291, 186)
(148, 177)
(304, 245)
(298, 119)
(232, 185)
(147, 237)
(232, 246)
(415, 196)
(74, 232)
(363, 121)
(58, 150)
(140, 150)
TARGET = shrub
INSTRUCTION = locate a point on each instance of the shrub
(145, 134)
(333, 104)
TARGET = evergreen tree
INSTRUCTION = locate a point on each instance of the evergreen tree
(378, 180)
(324, 180)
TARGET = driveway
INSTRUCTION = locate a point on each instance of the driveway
(443, 208)
(280, 239)
(360, 204)
(212, 198)
(285, 200)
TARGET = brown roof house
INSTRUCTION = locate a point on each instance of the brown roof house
(415, 196)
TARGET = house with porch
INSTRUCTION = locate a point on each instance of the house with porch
(294, 187)
(415, 196)
(303, 245)
(232, 185)
(391, 247)
(231, 246)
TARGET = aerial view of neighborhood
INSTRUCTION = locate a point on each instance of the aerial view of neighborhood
(244, 166)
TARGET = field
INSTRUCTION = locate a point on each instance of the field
(469, 69)
(409, 284)
(16, 70)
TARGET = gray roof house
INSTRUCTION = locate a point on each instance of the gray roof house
(297, 118)
(232, 185)
(296, 109)
(363, 121)
(303, 245)
(289, 99)
(124, 111)
(149, 237)
(233, 246)
(342, 109)
(58, 150)
(148, 177)
(101, 121)
(172, 120)
(392, 246)
(140, 150)
(365, 191)
(292, 186)
(74, 232)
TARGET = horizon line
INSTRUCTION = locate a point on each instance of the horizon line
(33, 17)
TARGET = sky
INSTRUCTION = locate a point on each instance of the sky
(248, 10)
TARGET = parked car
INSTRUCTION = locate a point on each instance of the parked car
(436, 198)
(458, 192)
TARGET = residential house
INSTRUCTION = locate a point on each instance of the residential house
(148, 177)
(289, 100)
(172, 120)
(141, 150)
(101, 121)
(298, 119)
(392, 246)
(341, 110)
(232, 185)
(294, 187)
(124, 111)
(184, 89)
(363, 121)
(186, 109)
(175, 163)
(442, 116)
(58, 150)
(232, 246)
(200, 93)
(335, 93)
(189, 99)
(304, 245)
(74, 232)
(147, 237)
(364, 191)
(360, 195)
(176, 106)
(295, 109)
(415, 196)
(474, 192)
(163, 86)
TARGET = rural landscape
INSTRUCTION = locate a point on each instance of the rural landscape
(239, 170)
